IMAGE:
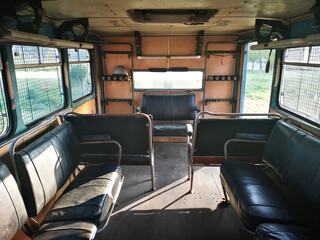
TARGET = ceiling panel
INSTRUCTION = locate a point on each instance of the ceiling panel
(234, 16)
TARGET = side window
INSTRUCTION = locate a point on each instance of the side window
(39, 80)
(4, 119)
(80, 73)
(300, 85)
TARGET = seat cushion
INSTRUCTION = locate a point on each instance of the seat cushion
(254, 196)
(90, 196)
(71, 230)
(270, 231)
(170, 129)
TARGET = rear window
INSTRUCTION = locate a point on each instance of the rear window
(168, 80)
(39, 80)
(300, 82)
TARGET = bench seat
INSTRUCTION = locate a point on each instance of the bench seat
(70, 230)
(171, 129)
(87, 197)
(269, 231)
(287, 190)
(257, 198)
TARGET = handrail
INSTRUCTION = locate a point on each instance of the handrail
(238, 114)
(171, 90)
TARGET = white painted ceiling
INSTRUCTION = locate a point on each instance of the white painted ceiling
(109, 17)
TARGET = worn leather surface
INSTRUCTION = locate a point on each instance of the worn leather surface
(212, 134)
(89, 196)
(169, 106)
(254, 196)
(12, 210)
(45, 165)
(71, 230)
(283, 232)
(170, 129)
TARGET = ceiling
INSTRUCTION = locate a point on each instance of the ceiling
(109, 17)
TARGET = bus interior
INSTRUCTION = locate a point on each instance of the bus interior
(136, 119)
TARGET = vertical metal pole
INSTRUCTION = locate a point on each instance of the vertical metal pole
(244, 78)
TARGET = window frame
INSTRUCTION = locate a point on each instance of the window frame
(42, 65)
(84, 97)
(166, 89)
(283, 110)
(6, 100)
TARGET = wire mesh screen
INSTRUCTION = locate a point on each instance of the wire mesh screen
(300, 91)
(296, 55)
(78, 55)
(80, 78)
(314, 55)
(40, 91)
(4, 120)
(23, 55)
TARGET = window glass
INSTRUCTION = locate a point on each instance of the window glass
(80, 73)
(300, 86)
(40, 83)
(4, 119)
(168, 80)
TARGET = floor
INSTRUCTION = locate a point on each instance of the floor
(170, 212)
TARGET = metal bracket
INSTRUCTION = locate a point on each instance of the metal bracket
(273, 30)
(9, 10)
(67, 30)
(316, 11)
(222, 78)
(138, 39)
(115, 77)
(107, 100)
(199, 46)
(218, 100)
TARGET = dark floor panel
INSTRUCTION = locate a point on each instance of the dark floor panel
(170, 212)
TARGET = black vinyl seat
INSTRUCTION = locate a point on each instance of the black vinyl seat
(269, 231)
(293, 156)
(256, 196)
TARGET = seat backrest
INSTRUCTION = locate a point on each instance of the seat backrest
(169, 106)
(295, 155)
(132, 131)
(12, 210)
(211, 134)
(45, 165)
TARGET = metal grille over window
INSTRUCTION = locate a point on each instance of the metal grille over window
(39, 80)
(300, 83)
(4, 120)
(80, 73)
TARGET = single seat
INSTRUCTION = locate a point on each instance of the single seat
(170, 109)
(270, 231)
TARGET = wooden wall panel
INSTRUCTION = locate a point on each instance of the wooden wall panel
(88, 107)
(177, 45)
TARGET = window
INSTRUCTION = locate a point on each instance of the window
(168, 80)
(4, 119)
(80, 73)
(300, 82)
(39, 80)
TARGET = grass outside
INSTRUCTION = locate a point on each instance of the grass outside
(257, 93)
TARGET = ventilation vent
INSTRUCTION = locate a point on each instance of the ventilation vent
(187, 17)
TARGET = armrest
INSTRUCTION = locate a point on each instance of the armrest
(139, 109)
(197, 109)
(251, 136)
(94, 138)
(238, 140)
(108, 141)
(189, 129)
